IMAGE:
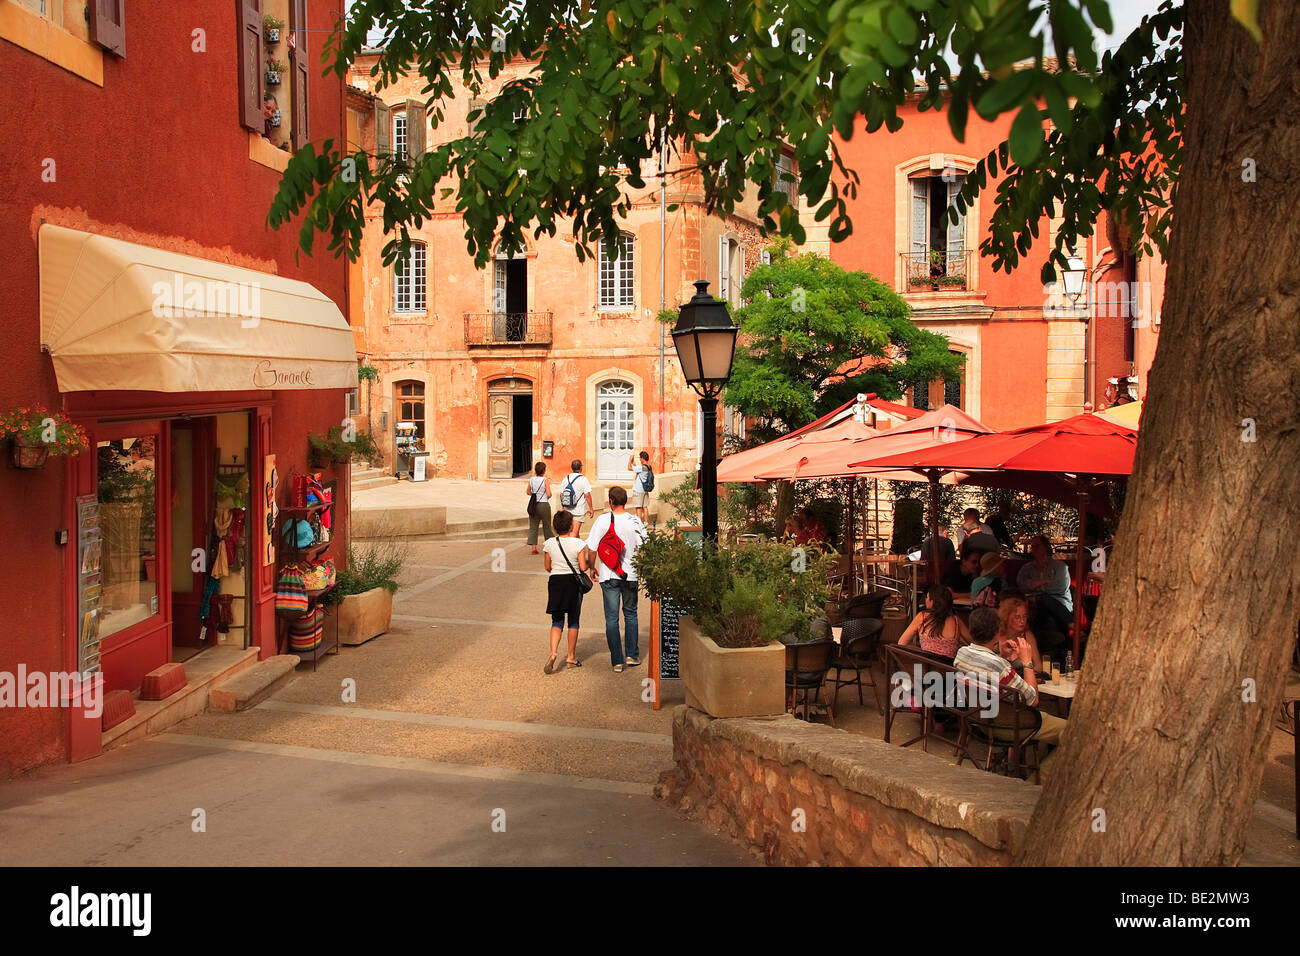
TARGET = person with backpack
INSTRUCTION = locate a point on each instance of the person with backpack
(614, 540)
(539, 505)
(643, 482)
(575, 495)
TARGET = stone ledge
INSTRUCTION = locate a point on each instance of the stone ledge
(992, 809)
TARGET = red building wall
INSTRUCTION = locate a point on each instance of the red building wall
(1027, 361)
(157, 156)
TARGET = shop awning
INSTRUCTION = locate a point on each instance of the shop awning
(117, 316)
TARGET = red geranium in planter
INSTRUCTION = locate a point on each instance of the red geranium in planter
(35, 433)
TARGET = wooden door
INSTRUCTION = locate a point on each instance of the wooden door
(500, 435)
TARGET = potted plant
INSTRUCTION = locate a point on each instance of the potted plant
(272, 26)
(333, 448)
(918, 281)
(936, 269)
(738, 604)
(34, 433)
(363, 599)
(952, 281)
(273, 70)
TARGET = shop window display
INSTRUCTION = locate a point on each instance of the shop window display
(128, 519)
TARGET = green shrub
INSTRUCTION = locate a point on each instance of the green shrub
(743, 596)
(373, 565)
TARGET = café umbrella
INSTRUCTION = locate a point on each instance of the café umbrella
(1085, 450)
(832, 460)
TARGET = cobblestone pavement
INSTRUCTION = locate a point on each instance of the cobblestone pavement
(454, 727)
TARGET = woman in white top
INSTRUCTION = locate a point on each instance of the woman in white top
(539, 490)
(566, 558)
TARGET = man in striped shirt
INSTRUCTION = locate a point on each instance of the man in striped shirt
(1011, 667)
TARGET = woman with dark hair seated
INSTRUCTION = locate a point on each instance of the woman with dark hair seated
(937, 629)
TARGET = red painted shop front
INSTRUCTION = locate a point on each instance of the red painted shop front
(197, 411)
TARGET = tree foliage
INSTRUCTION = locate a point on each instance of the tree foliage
(814, 334)
(730, 85)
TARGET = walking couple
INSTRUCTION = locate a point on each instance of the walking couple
(607, 556)
(575, 498)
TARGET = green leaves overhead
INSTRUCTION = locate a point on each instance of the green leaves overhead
(732, 85)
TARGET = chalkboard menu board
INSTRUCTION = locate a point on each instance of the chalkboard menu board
(668, 615)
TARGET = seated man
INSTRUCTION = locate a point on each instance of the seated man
(947, 553)
(960, 576)
(1047, 581)
(975, 535)
(982, 657)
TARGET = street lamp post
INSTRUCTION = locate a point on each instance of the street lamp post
(705, 340)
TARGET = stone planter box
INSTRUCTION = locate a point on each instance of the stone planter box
(364, 616)
(730, 681)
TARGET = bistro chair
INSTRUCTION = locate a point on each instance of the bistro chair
(905, 660)
(1008, 735)
(806, 665)
(859, 651)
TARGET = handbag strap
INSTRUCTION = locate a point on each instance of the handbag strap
(559, 543)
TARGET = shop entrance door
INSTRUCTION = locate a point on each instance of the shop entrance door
(193, 467)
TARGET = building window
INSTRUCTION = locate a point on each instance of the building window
(410, 406)
(937, 253)
(785, 167)
(127, 493)
(510, 284)
(399, 133)
(409, 281)
(731, 270)
(617, 286)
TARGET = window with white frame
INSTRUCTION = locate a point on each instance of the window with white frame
(938, 245)
(409, 279)
(617, 276)
(399, 132)
(785, 167)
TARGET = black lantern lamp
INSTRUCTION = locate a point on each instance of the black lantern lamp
(705, 339)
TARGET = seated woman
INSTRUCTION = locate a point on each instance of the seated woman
(1013, 612)
(937, 628)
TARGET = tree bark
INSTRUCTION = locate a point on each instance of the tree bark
(1200, 603)
(784, 506)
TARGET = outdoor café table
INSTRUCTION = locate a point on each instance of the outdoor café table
(1060, 691)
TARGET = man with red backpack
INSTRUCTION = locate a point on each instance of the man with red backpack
(614, 540)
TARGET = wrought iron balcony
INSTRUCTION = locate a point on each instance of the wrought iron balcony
(937, 271)
(507, 328)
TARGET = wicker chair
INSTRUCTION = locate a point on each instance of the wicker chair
(859, 651)
(806, 665)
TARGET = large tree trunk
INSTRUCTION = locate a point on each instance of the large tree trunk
(1200, 601)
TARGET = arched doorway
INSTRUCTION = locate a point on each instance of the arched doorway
(615, 428)
(510, 427)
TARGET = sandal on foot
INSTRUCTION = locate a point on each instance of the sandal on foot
(573, 663)
(550, 665)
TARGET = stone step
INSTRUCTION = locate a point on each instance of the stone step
(250, 687)
(377, 480)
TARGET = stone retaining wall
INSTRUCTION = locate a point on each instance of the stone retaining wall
(864, 802)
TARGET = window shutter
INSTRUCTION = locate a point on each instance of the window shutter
(957, 230)
(298, 92)
(415, 124)
(383, 129)
(298, 61)
(920, 218)
(250, 65)
(724, 277)
(108, 25)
